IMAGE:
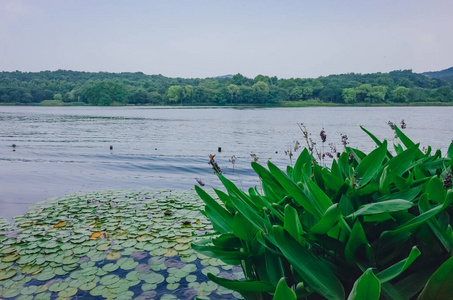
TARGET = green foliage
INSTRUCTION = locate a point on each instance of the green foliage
(174, 93)
(140, 89)
(376, 227)
(105, 92)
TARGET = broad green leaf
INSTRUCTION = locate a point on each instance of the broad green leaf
(335, 170)
(398, 268)
(225, 200)
(303, 165)
(292, 223)
(450, 151)
(226, 255)
(440, 284)
(401, 183)
(332, 182)
(434, 224)
(242, 228)
(319, 199)
(408, 195)
(344, 166)
(243, 286)
(313, 271)
(217, 223)
(415, 222)
(382, 207)
(293, 190)
(371, 164)
(328, 220)
(274, 267)
(283, 292)
(241, 201)
(403, 161)
(227, 241)
(367, 287)
(407, 142)
(269, 179)
(384, 182)
(398, 148)
(357, 239)
(357, 154)
(435, 190)
(220, 216)
(375, 139)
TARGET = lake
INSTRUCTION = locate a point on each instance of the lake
(61, 150)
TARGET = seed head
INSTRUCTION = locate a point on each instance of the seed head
(447, 181)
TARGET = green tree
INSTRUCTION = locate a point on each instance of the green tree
(58, 96)
(187, 93)
(349, 95)
(400, 94)
(154, 98)
(174, 93)
(262, 78)
(138, 97)
(260, 92)
(363, 92)
(233, 92)
(106, 92)
(296, 94)
(307, 91)
(377, 94)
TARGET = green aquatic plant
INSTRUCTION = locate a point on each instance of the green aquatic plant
(110, 244)
(372, 226)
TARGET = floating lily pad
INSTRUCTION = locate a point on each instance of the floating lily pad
(59, 286)
(154, 278)
(43, 296)
(109, 280)
(69, 292)
(5, 274)
(45, 275)
(114, 255)
(10, 258)
(127, 263)
(88, 286)
(110, 267)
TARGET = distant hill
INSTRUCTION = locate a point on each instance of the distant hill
(440, 74)
(446, 75)
(225, 76)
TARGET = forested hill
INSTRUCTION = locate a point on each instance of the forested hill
(446, 75)
(84, 88)
(440, 74)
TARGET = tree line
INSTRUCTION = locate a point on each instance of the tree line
(85, 88)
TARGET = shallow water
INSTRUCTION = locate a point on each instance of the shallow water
(60, 150)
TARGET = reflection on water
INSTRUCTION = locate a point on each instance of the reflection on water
(60, 150)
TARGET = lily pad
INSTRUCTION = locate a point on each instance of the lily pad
(110, 267)
(154, 278)
(109, 280)
(57, 287)
(5, 274)
(69, 292)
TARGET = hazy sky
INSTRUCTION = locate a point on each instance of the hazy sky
(215, 37)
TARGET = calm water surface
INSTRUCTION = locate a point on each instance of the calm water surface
(63, 150)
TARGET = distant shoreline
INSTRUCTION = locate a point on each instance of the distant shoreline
(308, 103)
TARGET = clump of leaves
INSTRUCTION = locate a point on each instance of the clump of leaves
(372, 226)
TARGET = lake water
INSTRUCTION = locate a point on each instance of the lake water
(60, 150)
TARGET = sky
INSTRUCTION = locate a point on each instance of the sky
(285, 38)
